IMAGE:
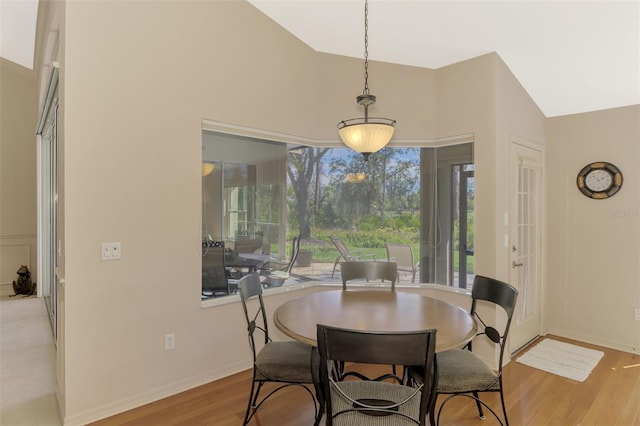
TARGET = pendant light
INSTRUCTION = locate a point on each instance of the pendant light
(367, 134)
(207, 168)
(355, 177)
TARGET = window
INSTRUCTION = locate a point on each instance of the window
(447, 215)
(422, 197)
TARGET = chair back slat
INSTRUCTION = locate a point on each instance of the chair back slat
(369, 270)
(501, 294)
(295, 249)
(342, 249)
(495, 291)
(337, 346)
(250, 287)
(402, 254)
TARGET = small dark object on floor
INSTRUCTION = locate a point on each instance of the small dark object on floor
(24, 285)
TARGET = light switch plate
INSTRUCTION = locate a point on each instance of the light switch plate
(110, 251)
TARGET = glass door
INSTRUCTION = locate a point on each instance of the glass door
(239, 199)
(463, 183)
(526, 229)
(47, 218)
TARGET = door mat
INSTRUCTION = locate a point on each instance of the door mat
(564, 359)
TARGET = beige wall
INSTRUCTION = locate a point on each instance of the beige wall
(466, 104)
(137, 79)
(593, 251)
(340, 79)
(18, 189)
(518, 119)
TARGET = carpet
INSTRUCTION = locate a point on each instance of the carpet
(564, 359)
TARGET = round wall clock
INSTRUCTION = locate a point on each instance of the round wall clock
(599, 180)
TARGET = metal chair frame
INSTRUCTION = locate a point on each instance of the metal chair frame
(505, 296)
(277, 277)
(370, 271)
(402, 254)
(249, 287)
(337, 346)
(345, 254)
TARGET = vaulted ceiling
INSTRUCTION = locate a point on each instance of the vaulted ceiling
(571, 56)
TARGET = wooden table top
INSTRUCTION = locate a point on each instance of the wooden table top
(375, 310)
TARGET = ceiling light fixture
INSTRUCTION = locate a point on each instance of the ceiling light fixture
(356, 177)
(368, 134)
(207, 168)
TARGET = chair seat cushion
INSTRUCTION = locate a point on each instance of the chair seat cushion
(359, 389)
(284, 361)
(459, 370)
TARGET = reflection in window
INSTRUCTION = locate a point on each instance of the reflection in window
(446, 252)
(272, 192)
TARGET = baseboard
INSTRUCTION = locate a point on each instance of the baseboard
(6, 289)
(594, 340)
(135, 401)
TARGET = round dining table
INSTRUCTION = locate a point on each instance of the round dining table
(375, 310)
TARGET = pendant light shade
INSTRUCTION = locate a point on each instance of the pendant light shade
(207, 168)
(356, 177)
(366, 135)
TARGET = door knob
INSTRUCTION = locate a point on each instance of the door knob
(515, 264)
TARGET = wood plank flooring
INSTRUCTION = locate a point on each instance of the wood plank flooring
(609, 397)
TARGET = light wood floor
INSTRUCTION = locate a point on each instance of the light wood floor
(609, 397)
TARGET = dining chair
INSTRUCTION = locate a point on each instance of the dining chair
(460, 371)
(402, 254)
(216, 280)
(277, 277)
(345, 254)
(369, 270)
(285, 364)
(373, 402)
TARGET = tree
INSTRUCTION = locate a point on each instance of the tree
(302, 166)
(391, 185)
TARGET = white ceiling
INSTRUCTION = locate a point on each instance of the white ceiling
(18, 30)
(571, 56)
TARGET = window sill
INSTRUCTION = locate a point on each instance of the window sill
(235, 298)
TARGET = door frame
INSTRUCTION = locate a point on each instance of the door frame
(48, 242)
(537, 152)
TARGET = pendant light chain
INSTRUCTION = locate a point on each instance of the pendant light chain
(366, 135)
(366, 48)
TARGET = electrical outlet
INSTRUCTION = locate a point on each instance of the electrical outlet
(637, 314)
(169, 341)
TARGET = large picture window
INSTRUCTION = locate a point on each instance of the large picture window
(415, 198)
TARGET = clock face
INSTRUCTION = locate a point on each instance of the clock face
(599, 180)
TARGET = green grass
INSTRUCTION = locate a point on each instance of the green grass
(328, 254)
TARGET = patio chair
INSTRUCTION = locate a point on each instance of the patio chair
(402, 254)
(460, 371)
(277, 277)
(345, 254)
(373, 402)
